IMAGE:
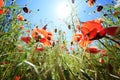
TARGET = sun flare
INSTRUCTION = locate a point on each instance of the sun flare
(63, 10)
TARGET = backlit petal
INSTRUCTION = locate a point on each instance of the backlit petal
(112, 31)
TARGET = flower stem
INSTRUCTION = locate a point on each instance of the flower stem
(104, 45)
(69, 69)
(112, 40)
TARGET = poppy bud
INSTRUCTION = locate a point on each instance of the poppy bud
(69, 27)
(55, 30)
(99, 8)
(25, 9)
(71, 43)
(45, 27)
(73, 1)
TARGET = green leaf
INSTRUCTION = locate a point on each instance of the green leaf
(27, 62)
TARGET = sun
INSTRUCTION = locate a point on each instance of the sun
(63, 10)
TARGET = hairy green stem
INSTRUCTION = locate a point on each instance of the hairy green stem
(69, 69)
(112, 40)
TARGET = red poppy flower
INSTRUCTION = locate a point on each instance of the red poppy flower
(103, 52)
(39, 49)
(17, 78)
(45, 36)
(43, 33)
(28, 31)
(26, 39)
(101, 60)
(113, 30)
(81, 39)
(21, 27)
(93, 50)
(93, 29)
(62, 46)
(1, 3)
(91, 2)
(39, 32)
(20, 17)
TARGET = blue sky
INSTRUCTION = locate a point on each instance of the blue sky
(48, 15)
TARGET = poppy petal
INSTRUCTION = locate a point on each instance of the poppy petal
(112, 31)
(42, 40)
(26, 39)
(85, 41)
(99, 35)
(93, 50)
(77, 37)
(90, 25)
(92, 34)
(85, 30)
(102, 33)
